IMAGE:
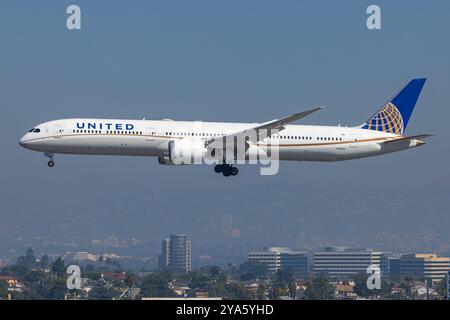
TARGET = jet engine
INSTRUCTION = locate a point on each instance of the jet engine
(182, 152)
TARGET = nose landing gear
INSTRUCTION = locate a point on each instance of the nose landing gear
(51, 162)
(226, 169)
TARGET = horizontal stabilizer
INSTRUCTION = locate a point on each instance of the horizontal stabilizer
(419, 137)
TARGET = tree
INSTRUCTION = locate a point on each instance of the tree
(131, 279)
(157, 285)
(361, 288)
(211, 271)
(3, 290)
(45, 261)
(319, 289)
(252, 270)
(286, 281)
(29, 260)
(58, 267)
(18, 271)
(441, 289)
(215, 271)
(58, 290)
(285, 275)
(236, 291)
(199, 281)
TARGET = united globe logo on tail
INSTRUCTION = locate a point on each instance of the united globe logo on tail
(388, 119)
(394, 116)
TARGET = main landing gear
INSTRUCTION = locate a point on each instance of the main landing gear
(51, 162)
(226, 169)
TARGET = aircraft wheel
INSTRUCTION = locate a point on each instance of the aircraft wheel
(227, 171)
(218, 168)
(234, 171)
(51, 163)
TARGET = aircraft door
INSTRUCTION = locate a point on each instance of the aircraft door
(354, 139)
(58, 130)
(150, 133)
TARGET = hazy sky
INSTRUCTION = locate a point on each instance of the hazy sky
(226, 61)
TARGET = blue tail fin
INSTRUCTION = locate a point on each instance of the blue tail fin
(393, 117)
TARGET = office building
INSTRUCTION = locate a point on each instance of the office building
(424, 266)
(176, 254)
(394, 268)
(279, 258)
(389, 265)
(342, 263)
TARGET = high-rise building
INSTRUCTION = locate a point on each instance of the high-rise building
(341, 262)
(279, 258)
(448, 285)
(424, 266)
(176, 254)
(164, 257)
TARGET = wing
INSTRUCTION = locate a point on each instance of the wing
(256, 133)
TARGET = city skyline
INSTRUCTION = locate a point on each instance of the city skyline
(248, 62)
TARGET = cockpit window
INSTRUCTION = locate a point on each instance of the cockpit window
(31, 130)
(35, 130)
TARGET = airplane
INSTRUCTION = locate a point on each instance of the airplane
(169, 140)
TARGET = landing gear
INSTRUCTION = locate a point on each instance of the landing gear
(226, 169)
(51, 163)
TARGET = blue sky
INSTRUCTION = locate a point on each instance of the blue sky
(227, 61)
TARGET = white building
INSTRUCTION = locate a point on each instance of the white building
(278, 258)
(341, 262)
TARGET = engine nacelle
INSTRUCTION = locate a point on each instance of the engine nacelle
(165, 161)
(186, 152)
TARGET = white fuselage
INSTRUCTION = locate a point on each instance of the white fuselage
(151, 138)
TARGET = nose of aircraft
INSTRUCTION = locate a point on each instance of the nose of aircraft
(23, 142)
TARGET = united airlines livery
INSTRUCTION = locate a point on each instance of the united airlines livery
(188, 142)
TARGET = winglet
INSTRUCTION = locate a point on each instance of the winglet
(306, 113)
(298, 116)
